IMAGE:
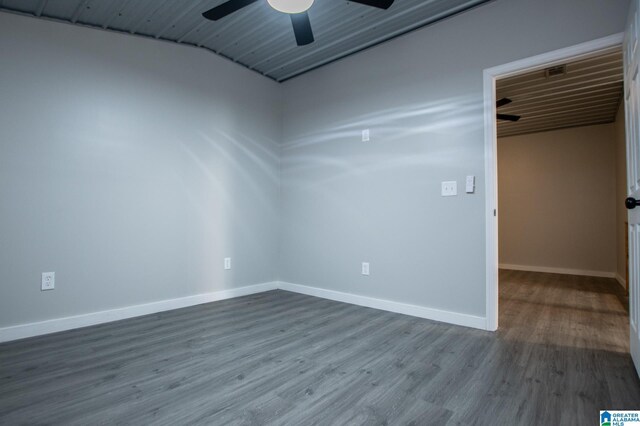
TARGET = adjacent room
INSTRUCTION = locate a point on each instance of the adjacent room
(562, 233)
(278, 212)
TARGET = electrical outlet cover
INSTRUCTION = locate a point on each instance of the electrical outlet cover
(48, 281)
(449, 188)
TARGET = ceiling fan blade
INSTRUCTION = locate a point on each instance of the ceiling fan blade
(502, 102)
(382, 4)
(302, 28)
(225, 9)
(507, 117)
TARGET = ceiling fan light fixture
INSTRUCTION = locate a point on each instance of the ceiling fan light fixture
(290, 6)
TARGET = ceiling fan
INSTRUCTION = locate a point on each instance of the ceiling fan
(296, 9)
(506, 117)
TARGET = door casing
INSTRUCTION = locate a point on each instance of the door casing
(533, 63)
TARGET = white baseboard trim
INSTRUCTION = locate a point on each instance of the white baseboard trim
(387, 305)
(23, 331)
(563, 271)
(621, 280)
(61, 324)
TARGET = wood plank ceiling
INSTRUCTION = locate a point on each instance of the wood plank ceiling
(257, 37)
(589, 92)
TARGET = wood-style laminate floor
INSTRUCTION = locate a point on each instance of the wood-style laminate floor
(286, 359)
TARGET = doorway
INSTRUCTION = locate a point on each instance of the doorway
(552, 118)
(541, 63)
(562, 168)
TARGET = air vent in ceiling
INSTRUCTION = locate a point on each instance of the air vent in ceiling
(556, 71)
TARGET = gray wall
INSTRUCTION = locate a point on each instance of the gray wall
(345, 201)
(131, 168)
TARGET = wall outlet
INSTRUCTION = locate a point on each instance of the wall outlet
(365, 268)
(366, 135)
(48, 281)
(449, 188)
(227, 263)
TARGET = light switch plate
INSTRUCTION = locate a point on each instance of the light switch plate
(227, 263)
(366, 135)
(471, 184)
(365, 268)
(48, 281)
(449, 188)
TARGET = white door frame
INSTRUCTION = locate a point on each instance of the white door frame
(490, 148)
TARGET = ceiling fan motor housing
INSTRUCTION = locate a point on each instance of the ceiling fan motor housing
(290, 6)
